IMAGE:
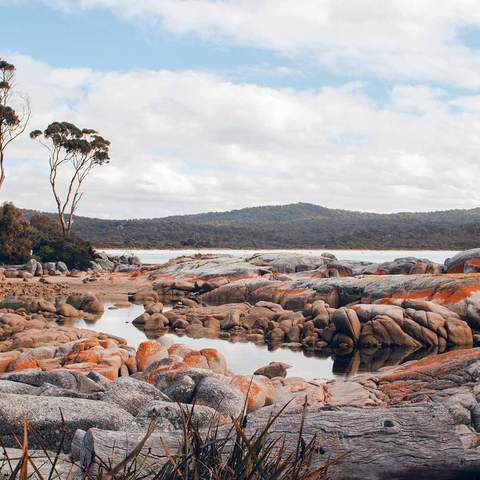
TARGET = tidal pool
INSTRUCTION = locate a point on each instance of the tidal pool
(242, 357)
(245, 357)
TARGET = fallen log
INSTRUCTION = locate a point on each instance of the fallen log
(420, 441)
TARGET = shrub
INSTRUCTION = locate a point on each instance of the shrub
(16, 235)
(51, 245)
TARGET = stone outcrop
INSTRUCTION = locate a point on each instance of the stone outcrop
(422, 420)
(459, 293)
(411, 324)
(43, 414)
(112, 263)
(464, 262)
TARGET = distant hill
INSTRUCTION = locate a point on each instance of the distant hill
(300, 225)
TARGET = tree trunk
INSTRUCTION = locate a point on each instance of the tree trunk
(2, 168)
(418, 441)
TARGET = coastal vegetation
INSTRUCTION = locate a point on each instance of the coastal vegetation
(40, 237)
(73, 154)
(300, 225)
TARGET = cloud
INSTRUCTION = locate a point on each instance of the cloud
(185, 142)
(393, 39)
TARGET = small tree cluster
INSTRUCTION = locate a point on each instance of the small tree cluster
(73, 151)
(42, 237)
(16, 235)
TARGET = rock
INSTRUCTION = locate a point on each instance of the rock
(34, 267)
(61, 378)
(384, 331)
(347, 322)
(216, 361)
(231, 320)
(181, 390)
(7, 386)
(254, 392)
(62, 267)
(273, 369)
(277, 335)
(142, 296)
(43, 414)
(87, 302)
(11, 273)
(48, 390)
(131, 394)
(141, 320)
(464, 262)
(67, 310)
(152, 308)
(168, 416)
(49, 267)
(149, 352)
(220, 395)
(156, 321)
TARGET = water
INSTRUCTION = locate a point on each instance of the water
(245, 358)
(378, 256)
(242, 358)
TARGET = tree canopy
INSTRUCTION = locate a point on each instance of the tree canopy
(80, 149)
(12, 124)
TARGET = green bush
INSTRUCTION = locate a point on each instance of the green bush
(76, 253)
(42, 237)
(51, 246)
(16, 235)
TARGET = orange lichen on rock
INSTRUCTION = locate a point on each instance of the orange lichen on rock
(216, 361)
(281, 291)
(149, 351)
(85, 356)
(5, 362)
(24, 363)
(194, 360)
(457, 293)
(256, 394)
(433, 366)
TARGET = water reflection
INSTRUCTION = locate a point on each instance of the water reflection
(245, 357)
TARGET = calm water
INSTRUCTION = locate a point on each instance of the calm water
(242, 358)
(162, 256)
(245, 358)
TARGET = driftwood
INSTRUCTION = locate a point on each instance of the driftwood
(420, 441)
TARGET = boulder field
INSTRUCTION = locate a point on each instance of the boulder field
(413, 421)
(295, 281)
(420, 419)
(410, 324)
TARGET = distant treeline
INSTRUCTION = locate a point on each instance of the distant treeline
(299, 225)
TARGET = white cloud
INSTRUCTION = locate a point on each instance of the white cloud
(396, 38)
(185, 142)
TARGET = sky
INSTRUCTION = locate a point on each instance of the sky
(213, 105)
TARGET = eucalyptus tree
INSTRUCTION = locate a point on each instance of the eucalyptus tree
(73, 155)
(12, 122)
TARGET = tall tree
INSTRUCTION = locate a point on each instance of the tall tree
(12, 123)
(78, 152)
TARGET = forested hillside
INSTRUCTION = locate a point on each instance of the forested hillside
(299, 225)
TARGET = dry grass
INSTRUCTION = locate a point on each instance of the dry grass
(217, 453)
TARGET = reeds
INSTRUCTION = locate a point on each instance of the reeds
(221, 452)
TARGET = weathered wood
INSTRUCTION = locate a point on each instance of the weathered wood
(418, 441)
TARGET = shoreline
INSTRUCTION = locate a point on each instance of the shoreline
(293, 249)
